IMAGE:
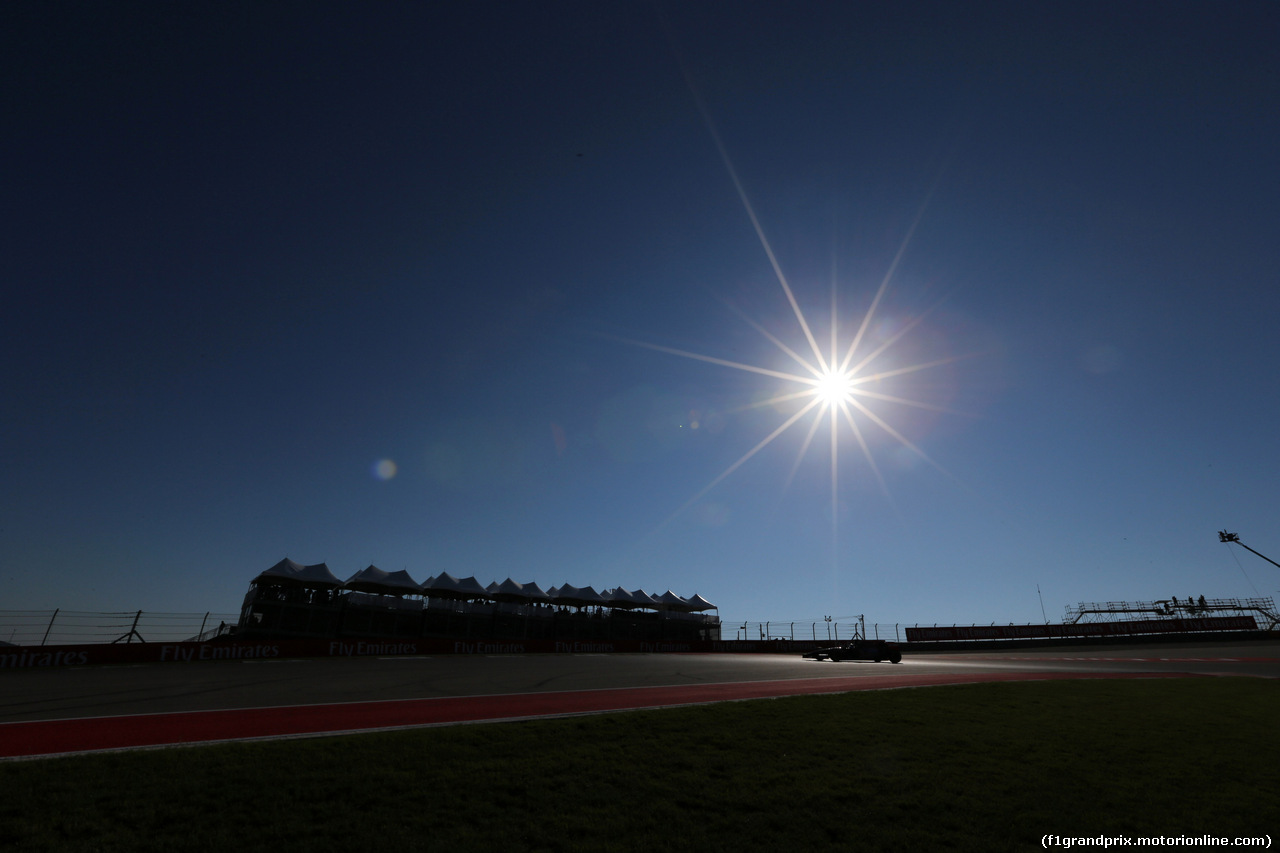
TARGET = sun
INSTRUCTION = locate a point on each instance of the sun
(834, 387)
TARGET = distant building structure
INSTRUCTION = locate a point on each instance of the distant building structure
(1261, 609)
(290, 600)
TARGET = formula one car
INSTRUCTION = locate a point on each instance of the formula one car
(876, 650)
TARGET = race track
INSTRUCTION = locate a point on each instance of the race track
(54, 711)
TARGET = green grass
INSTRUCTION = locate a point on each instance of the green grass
(980, 767)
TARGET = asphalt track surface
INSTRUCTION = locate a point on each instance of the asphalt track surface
(56, 711)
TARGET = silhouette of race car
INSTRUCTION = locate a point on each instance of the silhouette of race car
(876, 650)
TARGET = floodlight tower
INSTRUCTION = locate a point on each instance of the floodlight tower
(1224, 536)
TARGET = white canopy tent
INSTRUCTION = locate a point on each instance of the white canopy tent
(446, 585)
(288, 572)
(375, 580)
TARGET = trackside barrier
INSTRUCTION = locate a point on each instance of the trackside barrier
(824, 632)
(72, 627)
(69, 627)
(901, 632)
(1129, 628)
(27, 657)
(31, 657)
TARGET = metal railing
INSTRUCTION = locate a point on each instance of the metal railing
(831, 631)
(74, 627)
(71, 627)
(1102, 611)
(895, 632)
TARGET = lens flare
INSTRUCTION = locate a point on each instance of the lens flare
(833, 388)
(832, 385)
(830, 388)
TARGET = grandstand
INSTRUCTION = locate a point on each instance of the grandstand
(290, 600)
(1263, 609)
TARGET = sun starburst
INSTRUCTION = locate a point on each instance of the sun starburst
(832, 387)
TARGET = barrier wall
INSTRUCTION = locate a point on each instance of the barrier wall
(26, 657)
(20, 657)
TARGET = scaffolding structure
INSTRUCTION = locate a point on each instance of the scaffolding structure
(1262, 609)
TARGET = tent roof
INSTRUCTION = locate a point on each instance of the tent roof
(644, 599)
(374, 579)
(578, 596)
(534, 592)
(287, 572)
(401, 580)
(621, 598)
(670, 601)
(700, 603)
(618, 597)
(446, 585)
(508, 590)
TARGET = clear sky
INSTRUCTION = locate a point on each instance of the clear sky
(406, 284)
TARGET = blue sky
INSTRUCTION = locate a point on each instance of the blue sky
(252, 251)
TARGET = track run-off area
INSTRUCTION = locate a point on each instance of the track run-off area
(56, 711)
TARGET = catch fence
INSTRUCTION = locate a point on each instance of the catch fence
(901, 632)
(832, 631)
(75, 627)
(58, 627)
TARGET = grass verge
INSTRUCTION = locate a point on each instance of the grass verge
(977, 767)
